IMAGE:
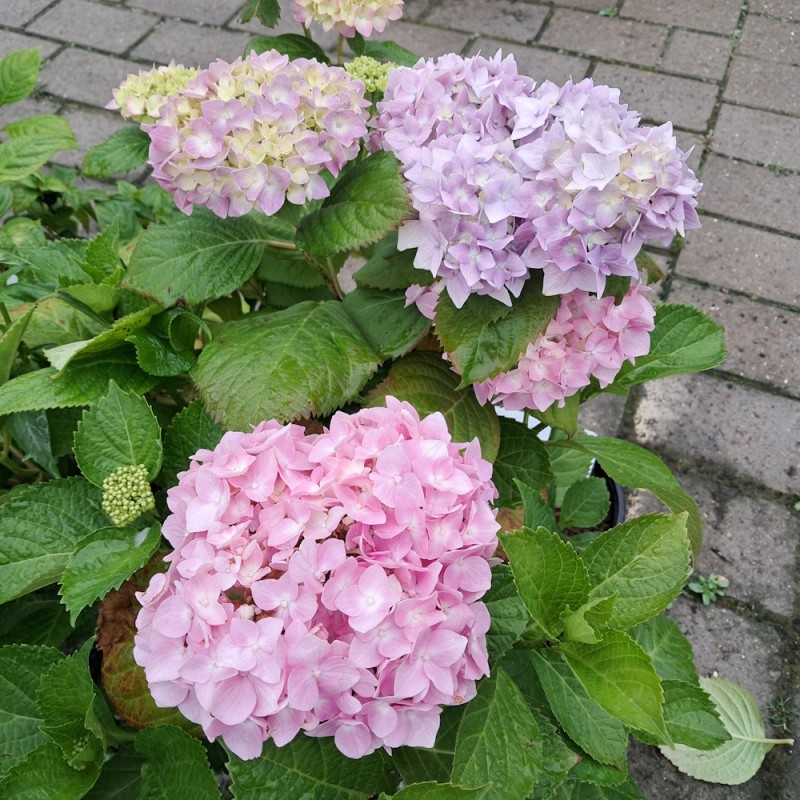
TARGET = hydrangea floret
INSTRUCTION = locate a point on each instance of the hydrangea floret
(127, 494)
(257, 132)
(372, 73)
(139, 97)
(506, 177)
(348, 17)
(327, 583)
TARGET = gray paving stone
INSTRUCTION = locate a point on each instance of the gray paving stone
(710, 420)
(28, 107)
(91, 128)
(93, 24)
(508, 19)
(752, 541)
(742, 258)
(189, 44)
(10, 41)
(761, 338)
(764, 84)
(788, 9)
(757, 136)
(718, 16)
(423, 40)
(540, 64)
(772, 39)
(752, 194)
(661, 98)
(593, 35)
(689, 140)
(76, 74)
(17, 12)
(602, 414)
(587, 5)
(699, 54)
(214, 11)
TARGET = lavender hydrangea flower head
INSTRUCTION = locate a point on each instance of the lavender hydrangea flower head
(348, 17)
(139, 97)
(327, 583)
(257, 132)
(506, 177)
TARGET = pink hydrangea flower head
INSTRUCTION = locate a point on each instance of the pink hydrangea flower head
(507, 177)
(348, 17)
(326, 582)
(140, 97)
(589, 337)
(257, 132)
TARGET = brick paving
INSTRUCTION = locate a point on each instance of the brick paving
(727, 73)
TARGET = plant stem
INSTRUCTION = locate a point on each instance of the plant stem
(339, 49)
(334, 278)
(306, 32)
(279, 244)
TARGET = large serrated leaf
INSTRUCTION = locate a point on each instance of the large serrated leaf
(367, 202)
(121, 777)
(484, 337)
(31, 431)
(548, 574)
(41, 125)
(386, 268)
(585, 504)
(598, 733)
(522, 456)
(119, 431)
(61, 513)
(102, 561)
(43, 769)
(627, 790)
(177, 767)
(430, 790)
(391, 327)
(644, 562)
(294, 45)
(498, 741)
(424, 380)
(37, 619)
(21, 669)
(739, 759)
(670, 651)
(9, 342)
(200, 257)
(309, 768)
(507, 611)
(308, 359)
(191, 430)
(20, 157)
(619, 676)
(125, 150)
(19, 72)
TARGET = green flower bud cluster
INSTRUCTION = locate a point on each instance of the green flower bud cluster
(370, 72)
(140, 97)
(127, 494)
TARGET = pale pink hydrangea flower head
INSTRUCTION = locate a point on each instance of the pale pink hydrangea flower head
(348, 17)
(326, 583)
(139, 98)
(257, 132)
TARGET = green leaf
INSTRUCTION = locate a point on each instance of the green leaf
(391, 328)
(61, 513)
(66, 698)
(80, 384)
(309, 768)
(31, 431)
(620, 677)
(594, 730)
(42, 770)
(521, 456)
(268, 12)
(102, 256)
(670, 651)
(548, 574)
(308, 359)
(176, 767)
(569, 466)
(41, 125)
(388, 50)
(125, 150)
(481, 339)
(294, 45)
(19, 72)
(20, 157)
(430, 790)
(586, 504)
(102, 561)
(119, 431)
(191, 430)
(200, 257)
(558, 759)
(37, 618)
(684, 340)
(584, 624)
(632, 465)
(9, 343)
(627, 790)
(21, 669)
(507, 611)
(109, 339)
(644, 261)
(425, 380)
(562, 418)
(290, 268)
(121, 777)
(587, 770)
(739, 759)
(645, 562)
(498, 741)
(691, 717)
(537, 511)
(387, 268)
(367, 202)
(156, 357)
(419, 764)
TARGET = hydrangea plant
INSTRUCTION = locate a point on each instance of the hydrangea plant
(267, 527)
